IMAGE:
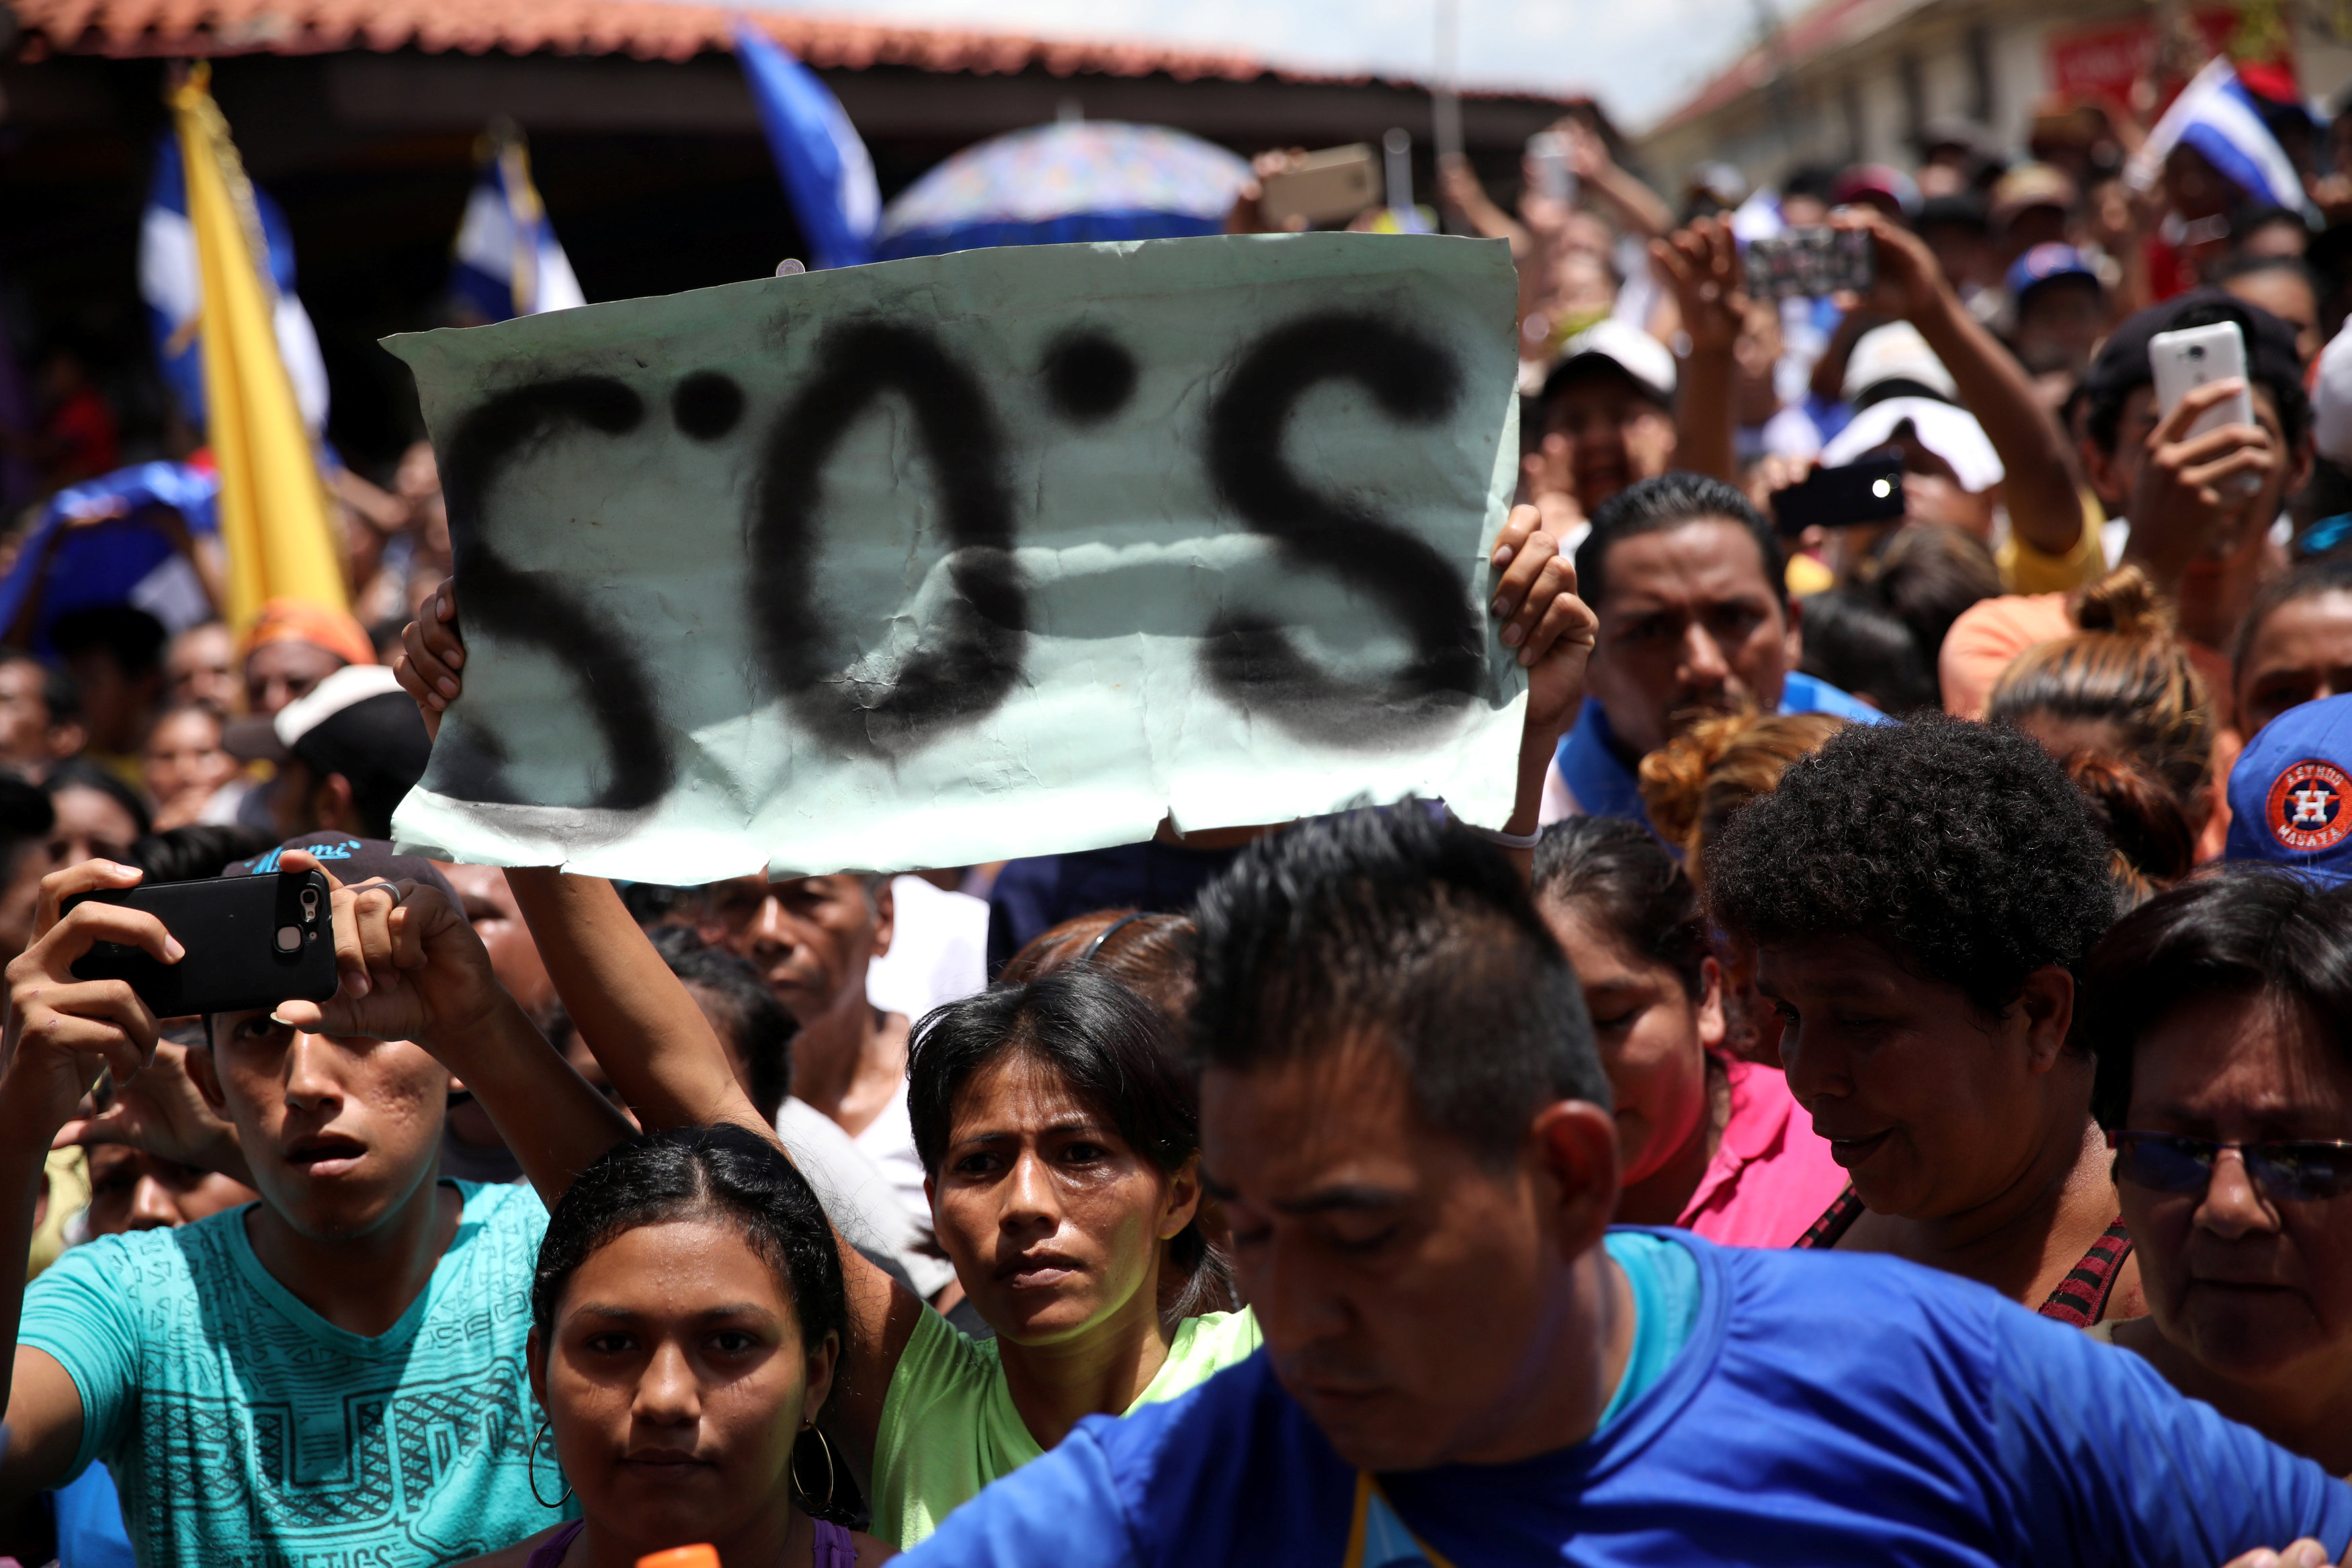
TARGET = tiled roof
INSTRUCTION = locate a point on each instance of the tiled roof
(1827, 25)
(647, 29)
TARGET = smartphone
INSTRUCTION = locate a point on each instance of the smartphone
(251, 941)
(1324, 187)
(1555, 177)
(1811, 262)
(1870, 491)
(2192, 356)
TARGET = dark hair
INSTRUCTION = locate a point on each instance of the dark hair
(1670, 501)
(25, 817)
(1818, 181)
(80, 773)
(2234, 931)
(1406, 926)
(130, 636)
(196, 852)
(2306, 579)
(763, 1030)
(59, 694)
(1620, 871)
(1859, 646)
(2147, 830)
(2128, 673)
(1927, 575)
(1960, 848)
(1149, 953)
(725, 1173)
(1113, 1051)
(2249, 266)
(2122, 366)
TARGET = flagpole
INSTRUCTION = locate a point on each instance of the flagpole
(273, 504)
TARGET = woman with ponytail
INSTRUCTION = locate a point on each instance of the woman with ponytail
(2124, 687)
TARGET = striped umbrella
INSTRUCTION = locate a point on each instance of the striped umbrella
(1078, 180)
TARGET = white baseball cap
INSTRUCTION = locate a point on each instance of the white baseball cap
(1895, 352)
(1650, 362)
(1948, 430)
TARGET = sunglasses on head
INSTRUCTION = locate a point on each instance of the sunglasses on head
(2286, 1172)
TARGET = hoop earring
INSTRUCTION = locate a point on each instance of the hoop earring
(793, 1469)
(532, 1471)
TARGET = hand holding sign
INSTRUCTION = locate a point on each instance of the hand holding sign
(831, 571)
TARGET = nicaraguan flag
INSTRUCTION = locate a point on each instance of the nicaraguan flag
(2216, 115)
(509, 263)
(174, 290)
(827, 175)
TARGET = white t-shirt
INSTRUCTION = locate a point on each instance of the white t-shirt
(859, 1197)
(889, 1142)
(938, 950)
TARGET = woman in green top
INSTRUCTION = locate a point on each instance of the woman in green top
(1064, 1175)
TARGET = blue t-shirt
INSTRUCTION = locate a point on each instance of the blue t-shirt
(1828, 1409)
(1605, 786)
(88, 1519)
(245, 1431)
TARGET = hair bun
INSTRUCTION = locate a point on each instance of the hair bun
(2151, 833)
(1674, 776)
(2125, 603)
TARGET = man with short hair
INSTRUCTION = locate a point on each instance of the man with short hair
(115, 653)
(812, 938)
(334, 1375)
(1405, 1118)
(40, 715)
(2182, 519)
(1689, 586)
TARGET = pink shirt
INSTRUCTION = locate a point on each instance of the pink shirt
(1772, 1176)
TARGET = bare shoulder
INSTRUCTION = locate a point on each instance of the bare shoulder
(515, 1556)
(871, 1550)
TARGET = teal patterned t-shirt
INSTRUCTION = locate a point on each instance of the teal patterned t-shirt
(245, 1431)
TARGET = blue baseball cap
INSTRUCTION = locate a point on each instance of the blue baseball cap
(2044, 262)
(2291, 793)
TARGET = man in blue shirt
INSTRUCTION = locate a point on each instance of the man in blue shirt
(1689, 582)
(1405, 1118)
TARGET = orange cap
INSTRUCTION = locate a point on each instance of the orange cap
(322, 626)
(696, 1557)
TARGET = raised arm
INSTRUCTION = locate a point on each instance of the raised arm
(62, 1033)
(643, 1026)
(1552, 632)
(2045, 507)
(1702, 265)
(413, 969)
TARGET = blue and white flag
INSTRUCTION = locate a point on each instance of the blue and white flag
(2216, 115)
(174, 290)
(509, 263)
(827, 175)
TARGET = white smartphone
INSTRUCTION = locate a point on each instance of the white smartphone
(2191, 358)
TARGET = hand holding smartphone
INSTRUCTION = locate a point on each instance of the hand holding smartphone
(2197, 356)
(251, 942)
(1869, 491)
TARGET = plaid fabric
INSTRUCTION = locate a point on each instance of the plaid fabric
(2081, 1298)
(1835, 1221)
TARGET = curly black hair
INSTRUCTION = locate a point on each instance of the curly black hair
(1959, 848)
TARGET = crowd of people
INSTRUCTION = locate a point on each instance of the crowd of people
(1879, 1096)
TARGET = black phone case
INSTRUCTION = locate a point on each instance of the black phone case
(1840, 497)
(230, 927)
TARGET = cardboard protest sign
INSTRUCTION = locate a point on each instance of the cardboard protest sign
(953, 559)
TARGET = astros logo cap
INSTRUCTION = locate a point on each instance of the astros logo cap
(2291, 793)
